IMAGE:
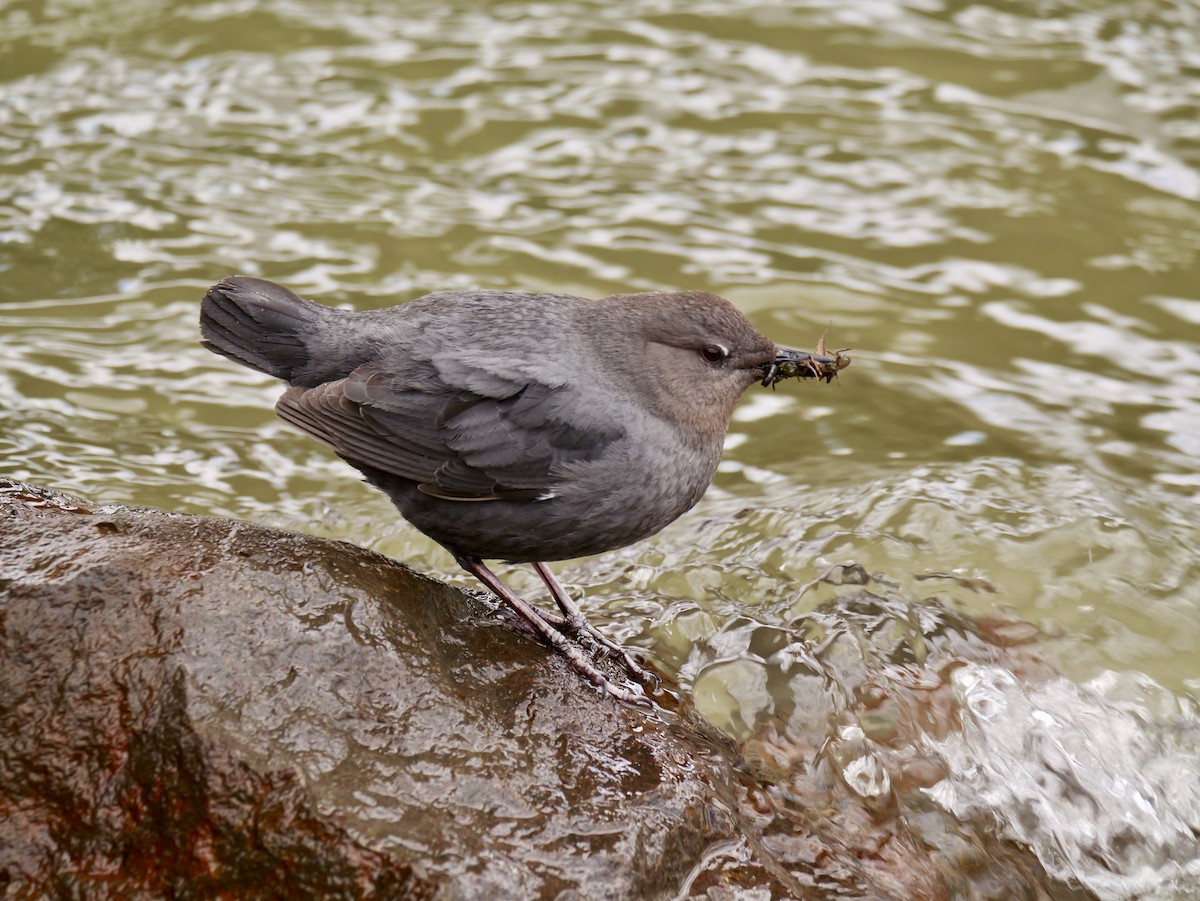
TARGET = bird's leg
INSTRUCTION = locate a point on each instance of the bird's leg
(550, 634)
(576, 623)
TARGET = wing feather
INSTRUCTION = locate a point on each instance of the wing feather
(471, 431)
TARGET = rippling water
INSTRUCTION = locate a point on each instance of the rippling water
(997, 205)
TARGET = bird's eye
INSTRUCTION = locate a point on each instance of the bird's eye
(713, 353)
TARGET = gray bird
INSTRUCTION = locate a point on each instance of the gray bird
(518, 427)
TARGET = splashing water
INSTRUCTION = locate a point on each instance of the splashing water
(1103, 788)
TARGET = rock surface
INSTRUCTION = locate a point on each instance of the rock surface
(199, 707)
(195, 707)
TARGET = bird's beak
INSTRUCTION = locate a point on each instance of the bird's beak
(800, 364)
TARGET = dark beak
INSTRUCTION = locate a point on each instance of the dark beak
(800, 364)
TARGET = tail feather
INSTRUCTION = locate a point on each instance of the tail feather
(259, 324)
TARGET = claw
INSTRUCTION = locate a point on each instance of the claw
(558, 632)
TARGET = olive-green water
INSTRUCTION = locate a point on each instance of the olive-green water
(997, 205)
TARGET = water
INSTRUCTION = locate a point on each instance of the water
(996, 205)
(1048, 764)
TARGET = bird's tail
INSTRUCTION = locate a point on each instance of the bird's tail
(261, 325)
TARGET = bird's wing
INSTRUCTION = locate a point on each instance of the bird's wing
(478, 430)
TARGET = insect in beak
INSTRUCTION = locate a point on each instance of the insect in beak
(800, 364)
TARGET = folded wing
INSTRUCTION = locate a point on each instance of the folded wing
(483, 430)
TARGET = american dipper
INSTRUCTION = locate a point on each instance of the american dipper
(519, 427)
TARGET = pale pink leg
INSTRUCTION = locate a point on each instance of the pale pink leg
(551, 634)
(575, 623)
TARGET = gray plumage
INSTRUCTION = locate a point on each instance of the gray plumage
(521, 427)
(514, 426)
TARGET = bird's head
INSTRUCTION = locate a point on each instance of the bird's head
(696, 354)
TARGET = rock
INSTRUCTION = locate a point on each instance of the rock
(108, 789)
(194, 707)
(198, 707)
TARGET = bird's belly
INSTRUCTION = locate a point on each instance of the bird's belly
(598, 509)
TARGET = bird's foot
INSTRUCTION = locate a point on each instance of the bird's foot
(574, 623)
(587, 649)
(579, 628)
(553, 630)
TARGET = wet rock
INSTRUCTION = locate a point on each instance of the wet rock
(194, 707)
(108, 788)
